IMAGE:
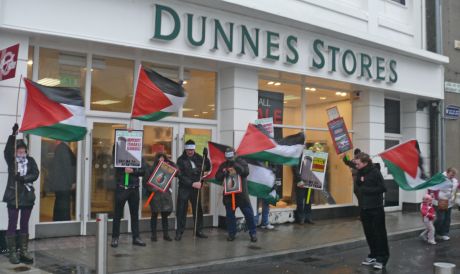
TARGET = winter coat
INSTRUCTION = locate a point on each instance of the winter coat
(26, 192)
(63, 170)
(161, 201)
(187, 174)
(242, 169)
(133, 180)
(369, 187)
(427, 210)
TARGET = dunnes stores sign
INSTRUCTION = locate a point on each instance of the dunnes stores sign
(267, 44)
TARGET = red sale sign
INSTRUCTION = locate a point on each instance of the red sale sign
(8, 62)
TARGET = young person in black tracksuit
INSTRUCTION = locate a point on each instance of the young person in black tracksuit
(369, 189)
(130, 194)
(190, 165)
(233, 166)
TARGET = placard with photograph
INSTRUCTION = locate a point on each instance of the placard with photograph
(232, 184)
(339, 135)
(128, 148)
(313, 169)
(162, 177)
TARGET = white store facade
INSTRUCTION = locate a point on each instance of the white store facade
(366, 57)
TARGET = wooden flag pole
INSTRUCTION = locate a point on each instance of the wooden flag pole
(205, 153)
(15, 134)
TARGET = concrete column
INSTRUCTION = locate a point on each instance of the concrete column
(238, 107)
(369, 122)
(9, 93)
(416, 125)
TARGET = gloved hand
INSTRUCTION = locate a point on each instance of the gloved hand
(19, 178)
(15, 129)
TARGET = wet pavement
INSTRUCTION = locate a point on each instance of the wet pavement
(288, 241)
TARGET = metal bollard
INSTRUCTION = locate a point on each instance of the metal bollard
(443, 268)
(101, 243)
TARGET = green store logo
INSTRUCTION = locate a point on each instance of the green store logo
(322, 56)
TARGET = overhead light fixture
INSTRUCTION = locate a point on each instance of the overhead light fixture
(310, 89)
(196, 115)
(105, 102)
(285, 102)
(291, 97)
(338, 93)
(322, 98)
(277, 84)
(204, 112)
(344, 94)
(50, 82)
(184, 82)
(187, 109)
(211, 105)
(307, 88)
(313, 89)
(270, 83)
(30, 62)
(213, 109)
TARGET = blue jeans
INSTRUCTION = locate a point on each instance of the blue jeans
(442, 222)
(265, 212)
(248, 216)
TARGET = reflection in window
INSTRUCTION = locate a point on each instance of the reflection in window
(156, 140)
(62, 69)
(112, 84)
(102, 175)
(201, 91)
(30, 62)
(58, 178)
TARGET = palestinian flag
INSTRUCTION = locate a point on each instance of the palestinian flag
(405, 164)
(53, 112)
(261, 182)
(216, 157)
(257, 145)
(156, 96)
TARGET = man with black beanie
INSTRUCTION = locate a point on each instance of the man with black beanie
(190, 167)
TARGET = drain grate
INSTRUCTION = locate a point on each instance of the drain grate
(21, 269)
(309, 260)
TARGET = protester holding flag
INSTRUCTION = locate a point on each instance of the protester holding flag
(127, 191)
(237, 166)
(161, 202)
(370, 188)
(19, 196)
(444, 195)
(190, 166)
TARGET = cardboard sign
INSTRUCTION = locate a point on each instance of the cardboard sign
(128, 148)
(162, 177)
(313, 169)
(232, 184)
(8, 62)
(339, 135)
(267, 124)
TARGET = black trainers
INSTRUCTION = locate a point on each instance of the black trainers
(137, 241)
(253, 238)
(369, 261)
(114, 243)
(230, 238)
(201, 235)
(178, 237)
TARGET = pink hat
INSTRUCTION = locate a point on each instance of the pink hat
(427, 198)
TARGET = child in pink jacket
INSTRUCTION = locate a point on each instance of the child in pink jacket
(428, 214)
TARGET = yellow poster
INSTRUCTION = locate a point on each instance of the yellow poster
(201, 141)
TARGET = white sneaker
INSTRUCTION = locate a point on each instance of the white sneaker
(377, 265)
(445, 238)
(369, 261)
(431, 242)
(269, 226)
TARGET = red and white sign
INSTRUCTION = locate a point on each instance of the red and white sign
(8, 62)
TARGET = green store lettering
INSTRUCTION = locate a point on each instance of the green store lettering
(271, 45)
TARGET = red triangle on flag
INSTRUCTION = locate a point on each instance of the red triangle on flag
(254, 141)
(217, 157)
(406, 156)
(149, 97)
(40, 111)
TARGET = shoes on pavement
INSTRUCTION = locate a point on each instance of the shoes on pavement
(369, 261)
(309, 221)
(445, 238)
(253, 238)
(431, 242)
(378, 265)
(201, 235)
(167, 238)
(268, 226)
(137, 241)
(423, 236)
(114, 243)
(230, 238)
(178, 237)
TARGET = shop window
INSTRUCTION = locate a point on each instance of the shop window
(402, 2)
(30, 62)
(62, 69)
(318, 100)
(392, 116)
(156, 140)
(102, 172)
(112, 84)
(280, 100)
(58, 180)
(201, 91)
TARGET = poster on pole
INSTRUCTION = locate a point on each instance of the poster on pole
(267, 124)
(313, 169)
(339, 135)
(162, 176)
(128, 148)
(8, 62)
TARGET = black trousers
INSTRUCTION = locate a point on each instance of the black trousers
(183, 197)
(130, 195)
(164, 222)
(62, 202)
(303, 209)
(373, 221)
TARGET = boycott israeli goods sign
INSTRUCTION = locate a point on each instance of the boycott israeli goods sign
(128, 148)
(8, 62)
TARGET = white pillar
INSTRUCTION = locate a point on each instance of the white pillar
(416, 125)
(9, 93)
(238, 107)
